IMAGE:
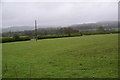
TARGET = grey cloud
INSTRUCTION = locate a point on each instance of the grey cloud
(57, 13)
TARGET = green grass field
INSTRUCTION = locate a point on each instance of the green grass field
(74, 57)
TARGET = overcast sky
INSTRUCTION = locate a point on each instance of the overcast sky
(57, 13)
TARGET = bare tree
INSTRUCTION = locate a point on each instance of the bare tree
(68, 30)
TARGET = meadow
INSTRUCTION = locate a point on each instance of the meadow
(93, 56)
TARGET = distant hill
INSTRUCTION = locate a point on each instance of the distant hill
(88, 26)
(84, 26)
(21, 28)
(17, 28)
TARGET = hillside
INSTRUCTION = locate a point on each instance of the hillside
(88, 26)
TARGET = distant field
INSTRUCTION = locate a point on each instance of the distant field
(74, 57)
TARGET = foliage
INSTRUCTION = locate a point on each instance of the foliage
(57, 36)
(71, 34)
(101, 29)
(25, 38)
(7, 39)
(47, 31)
(69, 30)
(15, 38)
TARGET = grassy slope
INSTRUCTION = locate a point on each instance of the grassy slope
(76, 57)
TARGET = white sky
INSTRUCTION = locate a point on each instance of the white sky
(59, 0)
(57, 12)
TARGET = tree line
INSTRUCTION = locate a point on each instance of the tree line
(46, 31)
(51, 33)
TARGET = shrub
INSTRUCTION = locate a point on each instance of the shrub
(48, 36)
(57, 36)
(14, 39)
(7, 39)
(25, 38)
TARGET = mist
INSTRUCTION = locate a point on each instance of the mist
(57, 13)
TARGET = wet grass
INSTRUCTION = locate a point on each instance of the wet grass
(76, 57)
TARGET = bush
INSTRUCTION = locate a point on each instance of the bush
(95, 32)
(56, 36)
(24, 38)
(48, 36)
(14, 39)
(7, 39)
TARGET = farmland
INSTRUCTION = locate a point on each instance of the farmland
(73, 57)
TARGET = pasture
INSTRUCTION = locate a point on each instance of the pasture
(73, 57)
